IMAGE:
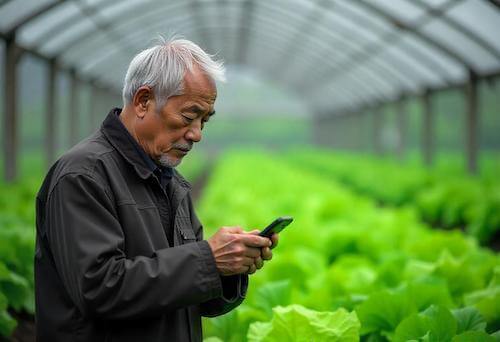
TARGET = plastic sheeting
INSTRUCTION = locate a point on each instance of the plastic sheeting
(340, 54)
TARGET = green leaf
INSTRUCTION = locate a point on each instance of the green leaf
(7, 323)
(436, 324)
(15, 287)
(427, 294)
(475, 336)
(227, 327)
(487, 301)
(384, 311)
(443, 325)
(414, 327)
(260, 331)
(273, 294)
(297, 323)
(469, 318)
(352, 274)
(212, 339)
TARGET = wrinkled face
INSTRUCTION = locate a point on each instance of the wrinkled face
(167, 134)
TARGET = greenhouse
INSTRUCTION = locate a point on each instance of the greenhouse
(375, 124)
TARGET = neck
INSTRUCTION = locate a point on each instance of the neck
(127, 117)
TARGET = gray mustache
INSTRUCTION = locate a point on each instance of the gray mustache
(183, 147)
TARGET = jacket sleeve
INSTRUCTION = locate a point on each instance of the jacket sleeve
(234, 288)
(87, 244)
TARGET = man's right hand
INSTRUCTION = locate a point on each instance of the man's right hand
(236, 251)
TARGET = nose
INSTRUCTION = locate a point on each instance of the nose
(194, 132)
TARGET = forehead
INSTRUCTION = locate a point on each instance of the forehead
(198, 85)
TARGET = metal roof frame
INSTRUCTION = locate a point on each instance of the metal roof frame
(246, 32)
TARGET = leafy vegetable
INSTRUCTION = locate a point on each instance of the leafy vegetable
(296, 323)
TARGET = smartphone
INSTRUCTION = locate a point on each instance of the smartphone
(276, 226)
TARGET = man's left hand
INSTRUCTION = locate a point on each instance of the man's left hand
(266, 252)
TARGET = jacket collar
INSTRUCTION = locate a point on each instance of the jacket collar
(114, 130)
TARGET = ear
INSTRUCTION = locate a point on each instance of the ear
(143, 98)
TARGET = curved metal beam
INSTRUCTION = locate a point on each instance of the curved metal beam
(205, 41)
(109, 28)
(388, 70)
(247, 11)
(303, 30)
(413, 29)
(359, 84)
(67, 22)
(35, 14)
(375, 48)
(82, 37)
(88, 52)
(439, 13)
(413, 54)
(378, 80)
(495, 3)
(4, 2)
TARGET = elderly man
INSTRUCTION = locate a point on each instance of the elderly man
(120, 253)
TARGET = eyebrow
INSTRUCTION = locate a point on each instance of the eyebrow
(198, 110)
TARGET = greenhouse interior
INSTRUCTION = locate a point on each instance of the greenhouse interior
(375, 124)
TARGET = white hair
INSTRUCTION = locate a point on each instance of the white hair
(163, 66)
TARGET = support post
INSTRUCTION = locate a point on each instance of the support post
(50, 132)
(401, 123)
(94, 107)
(10, 136)
(427, 128)
(73, 108)
(356, 131)
(471, 124)
(377, 124)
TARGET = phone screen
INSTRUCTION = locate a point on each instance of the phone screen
(276, 226)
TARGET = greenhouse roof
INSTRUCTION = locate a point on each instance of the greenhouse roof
(340, 55)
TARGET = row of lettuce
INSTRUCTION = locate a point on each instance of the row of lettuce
(17, 244)
(352, 262)
(17, 239)
(347, 268)
(443, 196)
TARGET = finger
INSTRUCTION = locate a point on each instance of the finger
(254, 232)
(259, 263)
(275, 238)
(242, 270)
(248, 261)
(267, 253)
(251, 269)
(252, 252)
(255, 241)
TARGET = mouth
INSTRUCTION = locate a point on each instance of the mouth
(182, 151)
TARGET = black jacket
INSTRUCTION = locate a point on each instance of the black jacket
(104, 269)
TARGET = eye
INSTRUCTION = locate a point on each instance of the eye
(187, 118)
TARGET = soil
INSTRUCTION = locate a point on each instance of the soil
(25, 330)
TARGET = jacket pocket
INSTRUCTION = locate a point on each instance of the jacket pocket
(143, 229)
(185, 229)
(187, 234)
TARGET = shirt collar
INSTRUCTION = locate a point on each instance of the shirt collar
(122, 140)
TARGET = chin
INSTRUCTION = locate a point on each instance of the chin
(167, 161)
